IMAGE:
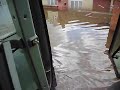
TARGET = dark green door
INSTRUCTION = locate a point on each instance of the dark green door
(114, 51)
(26, 48)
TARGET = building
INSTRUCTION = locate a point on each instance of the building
(101, 5)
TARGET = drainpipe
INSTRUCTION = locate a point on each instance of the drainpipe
(111, 5)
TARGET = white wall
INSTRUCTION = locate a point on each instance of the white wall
(87, 4)
(45, 2)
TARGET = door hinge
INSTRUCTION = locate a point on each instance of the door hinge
(33, 41)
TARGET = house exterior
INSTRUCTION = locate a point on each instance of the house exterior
(102, 5)
(62, 4)
(73, 4)
(49, 2)
(45, 2)
(115, 15)
(96, 5)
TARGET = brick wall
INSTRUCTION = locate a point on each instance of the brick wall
(115, 15)
(62, 4)
(101, 5)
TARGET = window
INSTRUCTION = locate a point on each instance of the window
(52, 2)
(75, 4)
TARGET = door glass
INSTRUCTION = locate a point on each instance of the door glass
(6, 23)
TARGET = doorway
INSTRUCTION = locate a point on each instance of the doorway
(78, 40)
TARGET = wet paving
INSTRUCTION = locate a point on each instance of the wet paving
(79, 41)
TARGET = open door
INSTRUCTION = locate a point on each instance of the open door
(114, 51)
(27, 52)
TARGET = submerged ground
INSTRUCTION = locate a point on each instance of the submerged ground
(79, 40)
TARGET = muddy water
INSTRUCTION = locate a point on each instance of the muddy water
(79, 40)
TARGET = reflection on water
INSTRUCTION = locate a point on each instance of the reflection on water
(78, 40)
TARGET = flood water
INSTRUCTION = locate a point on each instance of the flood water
(79, 41)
